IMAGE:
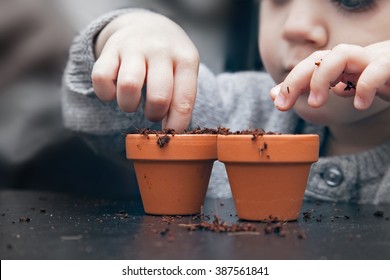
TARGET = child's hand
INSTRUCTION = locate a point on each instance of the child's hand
(142, 47)
(346, 70)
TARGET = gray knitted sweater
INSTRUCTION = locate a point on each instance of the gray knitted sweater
(234, 100)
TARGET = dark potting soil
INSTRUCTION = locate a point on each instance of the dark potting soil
(165, 134)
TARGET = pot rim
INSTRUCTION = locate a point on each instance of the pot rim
(280, 148)
(186, 147)
(271, 136)
(172, 135)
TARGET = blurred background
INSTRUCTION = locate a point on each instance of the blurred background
(36, 152)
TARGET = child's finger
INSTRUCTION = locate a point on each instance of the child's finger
(159, 88)
(275, 91)
(131, 78)
(104, 75)
(372, 79)
(345, 85)
(343, 58)
(184, 94)
(297, 82)
(344, 89)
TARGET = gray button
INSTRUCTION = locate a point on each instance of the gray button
(333, 176)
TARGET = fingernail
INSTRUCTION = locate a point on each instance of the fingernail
(312, 100)
(359, 102)
(280, 101)
(275, 91)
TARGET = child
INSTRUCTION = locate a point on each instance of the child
(330, 59)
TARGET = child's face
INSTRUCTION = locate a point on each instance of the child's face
(290, 30)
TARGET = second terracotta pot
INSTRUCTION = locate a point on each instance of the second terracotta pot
(268, 174)
(173, 179)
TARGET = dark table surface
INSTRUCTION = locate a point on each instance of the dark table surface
(42, 225)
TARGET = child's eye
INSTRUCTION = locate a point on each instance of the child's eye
(355, 5)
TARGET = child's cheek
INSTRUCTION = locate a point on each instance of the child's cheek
(272, 55)
(270, 62)
(311, 115)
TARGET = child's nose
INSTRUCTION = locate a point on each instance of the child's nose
(304, 25)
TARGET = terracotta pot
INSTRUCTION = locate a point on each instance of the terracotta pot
(268, 175)
(173, 180)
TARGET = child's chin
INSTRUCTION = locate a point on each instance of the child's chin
(313, 116)
(323, 116)
(337, 111)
